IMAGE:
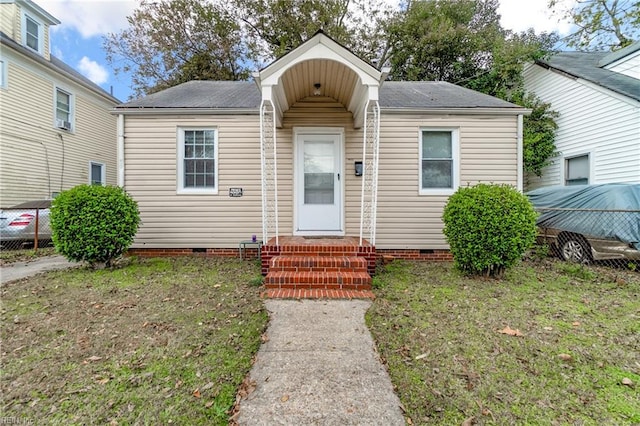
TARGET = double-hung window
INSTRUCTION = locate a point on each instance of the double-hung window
(577, 170)
(97, 175)
(197, 160)
(438, 161)
(32, 34)
(63, 109)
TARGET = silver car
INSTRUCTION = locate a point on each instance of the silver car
(18, 223)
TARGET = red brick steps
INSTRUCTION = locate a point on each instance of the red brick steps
(336, 268)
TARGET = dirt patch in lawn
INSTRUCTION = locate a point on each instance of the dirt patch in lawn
(551, 343)
(155, 341)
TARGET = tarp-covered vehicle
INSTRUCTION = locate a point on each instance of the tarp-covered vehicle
(590, 222)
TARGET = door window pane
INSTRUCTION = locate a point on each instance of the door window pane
(319, 172)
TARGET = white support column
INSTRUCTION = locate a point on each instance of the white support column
(269, 168)
(370, 152)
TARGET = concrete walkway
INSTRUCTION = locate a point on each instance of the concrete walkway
(319, 367)
(18, 270)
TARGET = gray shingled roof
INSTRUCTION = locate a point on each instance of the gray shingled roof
(435, 95)
(58, 66)
(585, 65)
(202, 94)
(246, 95)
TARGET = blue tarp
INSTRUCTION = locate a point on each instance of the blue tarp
(591, 210)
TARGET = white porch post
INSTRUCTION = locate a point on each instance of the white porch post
(370, 150)
(269, 169)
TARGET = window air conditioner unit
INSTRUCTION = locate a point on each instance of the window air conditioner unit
(64, 125)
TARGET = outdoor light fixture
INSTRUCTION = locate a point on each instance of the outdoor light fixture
(358, 167)
(316, 91)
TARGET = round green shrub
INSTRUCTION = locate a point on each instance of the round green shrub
(94, 224)
(488, 228)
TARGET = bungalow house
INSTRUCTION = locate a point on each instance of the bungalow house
(597, 96)
(318, 155)
(56, 130)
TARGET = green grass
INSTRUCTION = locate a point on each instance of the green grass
(155, 341)
(439, 334)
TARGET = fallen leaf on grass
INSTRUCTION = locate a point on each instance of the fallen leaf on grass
(94, 358)
(565, 357)
(469, 422)
(103, 381)
(196, 393)
(510, 332)
(576, 323)
(627, 382)
(421, 356)
(548, 328)
(209, 404)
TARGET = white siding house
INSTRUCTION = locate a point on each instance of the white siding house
(56, 130)
(597, 96)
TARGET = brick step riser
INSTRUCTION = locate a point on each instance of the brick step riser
(317, 264)
(332, 282)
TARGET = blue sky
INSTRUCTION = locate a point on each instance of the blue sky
(78, 39)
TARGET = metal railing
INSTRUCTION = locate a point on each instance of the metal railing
(24, 227)
(594, 236)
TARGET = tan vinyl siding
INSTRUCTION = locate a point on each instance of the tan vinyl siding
(171, 220)
(36, 159)
(407, 220)
(8, 14)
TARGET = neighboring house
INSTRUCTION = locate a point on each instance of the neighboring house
(56, 129)
(597, 95)
(319, 145)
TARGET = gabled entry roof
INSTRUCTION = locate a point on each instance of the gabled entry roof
(320, 66)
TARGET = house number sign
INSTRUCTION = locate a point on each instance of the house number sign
(235, 192)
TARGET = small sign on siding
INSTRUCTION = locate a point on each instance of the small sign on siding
(235, 192)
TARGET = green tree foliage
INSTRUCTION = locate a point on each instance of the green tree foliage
(169, 42)
(601, 24)
(444, 40)
(488, 228)
(93, 223)
(538, 134)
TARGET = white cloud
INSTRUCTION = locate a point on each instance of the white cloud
(90, 17)
(93, 70)
(519, 15)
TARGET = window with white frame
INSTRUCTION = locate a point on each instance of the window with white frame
(577, 170)
(97, 173)
(197, 160)
(32, 34)
(438, 161)
(63, 109)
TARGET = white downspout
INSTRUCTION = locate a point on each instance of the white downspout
(121, 150)
(520, 153)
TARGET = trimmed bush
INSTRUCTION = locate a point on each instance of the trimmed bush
(93, 224)
(488, 228)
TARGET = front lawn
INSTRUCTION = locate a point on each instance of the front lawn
(552, 343)
(156, 341)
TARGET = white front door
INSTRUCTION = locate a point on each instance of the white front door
(318, 184)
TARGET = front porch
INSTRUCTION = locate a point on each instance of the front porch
(316, 267)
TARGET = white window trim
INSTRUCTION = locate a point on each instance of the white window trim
(72, 108)
(41, 28)
(4, 83)
(180, 162)
(103, 172)
(455, 167)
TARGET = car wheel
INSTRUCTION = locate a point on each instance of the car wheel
(574, 248)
